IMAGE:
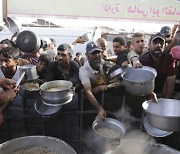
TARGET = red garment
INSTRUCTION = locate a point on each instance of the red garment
(165, 68)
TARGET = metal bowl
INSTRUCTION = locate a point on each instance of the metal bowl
(51, 143)
(110, 124)
(164, 115)
(154, 131)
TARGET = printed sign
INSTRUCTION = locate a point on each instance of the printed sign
(146, 10)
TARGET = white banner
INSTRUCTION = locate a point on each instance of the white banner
(144, 10)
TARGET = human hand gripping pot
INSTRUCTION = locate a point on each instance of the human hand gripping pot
(101, 114)
(153, 97)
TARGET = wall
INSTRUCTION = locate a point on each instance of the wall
(61, 35)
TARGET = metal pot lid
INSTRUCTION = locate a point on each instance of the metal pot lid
(44, 109)
(13, 26)
(115, 73)
(28, 41)
(154, 131)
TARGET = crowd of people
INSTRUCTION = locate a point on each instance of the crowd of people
(89, 74)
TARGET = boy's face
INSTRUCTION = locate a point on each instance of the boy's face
(7, 64)
(41, 66)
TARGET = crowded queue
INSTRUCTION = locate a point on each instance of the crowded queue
(90, 74)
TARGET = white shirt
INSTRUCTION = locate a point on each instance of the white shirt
(88, 75)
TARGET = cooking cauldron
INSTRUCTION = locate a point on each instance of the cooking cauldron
(139, 81)
(51, 143)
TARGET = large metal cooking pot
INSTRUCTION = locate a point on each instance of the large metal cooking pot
(111, 125)
(139, 81)
(164, 115)
(30, 93)
(140, 146)
(28, 41)
(51, 143)
(56, 97)
(31, 71)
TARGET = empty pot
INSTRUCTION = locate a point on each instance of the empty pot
(139, 81)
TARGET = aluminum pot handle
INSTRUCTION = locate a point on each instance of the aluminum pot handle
(72, 90)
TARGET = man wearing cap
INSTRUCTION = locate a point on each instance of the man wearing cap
(163, 63)
(92, 77)
(166, 31)
(64, 68)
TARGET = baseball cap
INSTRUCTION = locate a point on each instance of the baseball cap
(166, 31)
(155, 36)
(91, 47)
(65, 46)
